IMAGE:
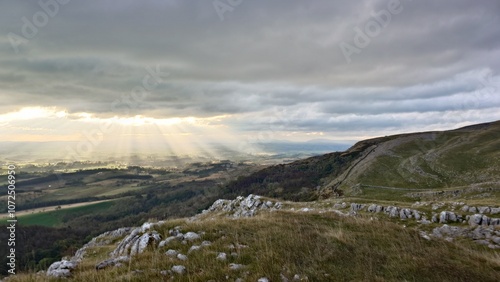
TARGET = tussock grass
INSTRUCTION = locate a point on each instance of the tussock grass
(321, 247)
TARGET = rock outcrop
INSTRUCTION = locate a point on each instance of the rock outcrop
(243, 207)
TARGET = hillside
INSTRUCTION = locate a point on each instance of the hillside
(454, 159)
(410, 207)
(262, 239)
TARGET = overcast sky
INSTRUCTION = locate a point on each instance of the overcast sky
(294, 69)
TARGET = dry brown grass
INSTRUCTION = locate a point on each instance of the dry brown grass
(321, 247)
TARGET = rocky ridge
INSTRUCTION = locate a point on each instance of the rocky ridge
(478, 226)
(137, 240)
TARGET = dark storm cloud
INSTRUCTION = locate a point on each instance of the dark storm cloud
(433, 56)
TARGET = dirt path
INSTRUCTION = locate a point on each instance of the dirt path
(52, 208)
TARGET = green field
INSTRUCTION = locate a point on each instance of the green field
(57, 217)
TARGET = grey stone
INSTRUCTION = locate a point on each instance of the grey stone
(495, 210)
(61, 269)
(465, 208)
(357, 207)
(182, 257)
(475, 219)
(472, 210)
(191, 236)
(112, 262)
(495, 240)
(482, 242)
(405, 213)
(484, 210)
(167, 241)
(417, 215)
(172, 253)
(235, 266)
(263, 279)
(206, 243)
(222, 256)
(179, 269)
(194, 248)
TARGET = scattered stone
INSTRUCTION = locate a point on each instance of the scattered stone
(484, 210)
(405, 213)
(356, 207)
(191, 236)
(243, 207)
(482, 242)
(112, 262)
(495, 210)
(61, 269)
(172, 253)
(182, 257)
(206, 243)
(263, 279)
(194, 248)
(135, 243)
(167, 241)
(179, 269)
(222, 256)
(446, 216)
(235, 266)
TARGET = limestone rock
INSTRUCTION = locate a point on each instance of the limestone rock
(167, 241)
(61, 269)
(179, 269)
(484, 210)
(112, 262)
(172, 253)
(191, 236)
(235, 266)
(243, 207)
(182, 257)
(222, 256)
(494, 210)
(356, 207)
(194, 248)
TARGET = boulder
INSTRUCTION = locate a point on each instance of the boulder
(179, 269)
(405, 213)
(167, 241)
(446, 216)
(222, 256)
(112, 262)
(182, 257)
(61, 269)
(484, 210)
(475, 219)
(172, 253)
(194, 248)
(356, 207)
(191, 236)
(494, 210)
(375, 208)
(235, 266)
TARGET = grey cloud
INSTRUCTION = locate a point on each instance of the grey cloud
(265, 54)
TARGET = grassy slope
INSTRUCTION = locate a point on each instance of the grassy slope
(323, 247)
(446, 159)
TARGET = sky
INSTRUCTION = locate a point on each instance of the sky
(188, 74)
